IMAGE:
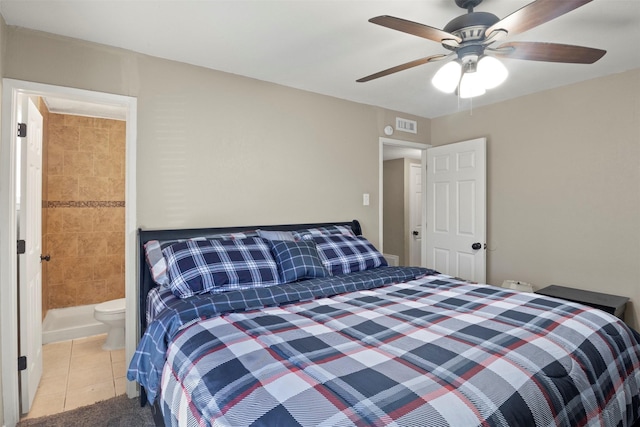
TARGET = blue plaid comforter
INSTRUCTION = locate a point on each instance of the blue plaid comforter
(149, 358)
(433, 351)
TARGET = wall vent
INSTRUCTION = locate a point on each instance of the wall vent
(406, 125)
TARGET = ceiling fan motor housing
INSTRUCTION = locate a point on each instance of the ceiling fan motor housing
(471, 26)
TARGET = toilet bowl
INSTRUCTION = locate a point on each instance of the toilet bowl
(111, 313)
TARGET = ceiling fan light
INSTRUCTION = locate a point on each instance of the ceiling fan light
(492, 72)
(447, 77)
(471, 85)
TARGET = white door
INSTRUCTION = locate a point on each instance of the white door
(30, 230)
(456, 209)
(415, 214)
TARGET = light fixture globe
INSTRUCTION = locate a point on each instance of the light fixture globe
(492, 72)
(471, 85)
(447, 77)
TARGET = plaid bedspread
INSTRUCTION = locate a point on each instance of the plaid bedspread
(150, 356)
(430, 352)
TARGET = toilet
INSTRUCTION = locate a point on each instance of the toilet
(111, 313)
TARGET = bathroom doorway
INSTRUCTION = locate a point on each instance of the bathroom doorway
(83, 211)
(12, 89)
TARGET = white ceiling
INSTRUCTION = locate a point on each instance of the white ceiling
(80, 108)
(324, 46)
(391, 152)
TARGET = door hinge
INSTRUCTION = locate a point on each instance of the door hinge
(22, 130)
(22, 247)
(22, 363)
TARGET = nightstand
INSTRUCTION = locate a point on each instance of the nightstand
(612, 304)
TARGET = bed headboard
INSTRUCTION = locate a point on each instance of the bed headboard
(146, 283)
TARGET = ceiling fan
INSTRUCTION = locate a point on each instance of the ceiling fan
(470, 36)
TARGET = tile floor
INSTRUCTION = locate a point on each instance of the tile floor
(78, 373)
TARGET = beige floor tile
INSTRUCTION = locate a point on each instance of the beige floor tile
(121, 386)
(55, 368)
(46, 404)
(90, 345)
(89, 395)
(118, 356)
(53, 385)
(55, 359)
(57, 349)
(95, 361)
(79, 378)
(77, 373)
(119, 369)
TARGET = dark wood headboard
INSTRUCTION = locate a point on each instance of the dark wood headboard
(146, 283)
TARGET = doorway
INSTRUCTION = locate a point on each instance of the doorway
(12, 89)
(402, 212)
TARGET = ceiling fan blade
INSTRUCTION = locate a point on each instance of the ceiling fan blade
(415, 28)
(402, 67)
(549, 52)
(534, 14)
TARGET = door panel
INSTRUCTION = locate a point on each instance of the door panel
(456, 209)
(466, 201)
(30, 230)
(441, 207)
(415, 212)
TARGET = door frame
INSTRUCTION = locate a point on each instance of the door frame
(8, 236)
(406, 144)
(412, 205)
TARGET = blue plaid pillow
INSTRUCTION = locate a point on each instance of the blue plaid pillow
(343, 254)
(214, 265)
(275, 235)
(158, 265)
(298, 260)
(308, 233)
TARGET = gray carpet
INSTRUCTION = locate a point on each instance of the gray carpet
(117, 412)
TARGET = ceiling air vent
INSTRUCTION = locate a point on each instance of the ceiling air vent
(406, 125)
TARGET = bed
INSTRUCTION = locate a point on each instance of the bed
(306, 324)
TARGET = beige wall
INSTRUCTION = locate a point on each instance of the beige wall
(563, 185)
(219, 149)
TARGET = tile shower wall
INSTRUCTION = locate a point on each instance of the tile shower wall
(85, 210)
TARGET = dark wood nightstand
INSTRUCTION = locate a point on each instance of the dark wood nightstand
(612, 304)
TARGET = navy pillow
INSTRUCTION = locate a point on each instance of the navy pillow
(297, 260)
(213, 265)
(343, 254)
(276, 235)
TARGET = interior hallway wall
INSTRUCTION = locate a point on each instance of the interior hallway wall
(393, 208)
(397, 208)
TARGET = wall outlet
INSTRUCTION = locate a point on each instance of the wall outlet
(517, 285)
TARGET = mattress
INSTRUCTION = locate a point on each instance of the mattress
(389, 346)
